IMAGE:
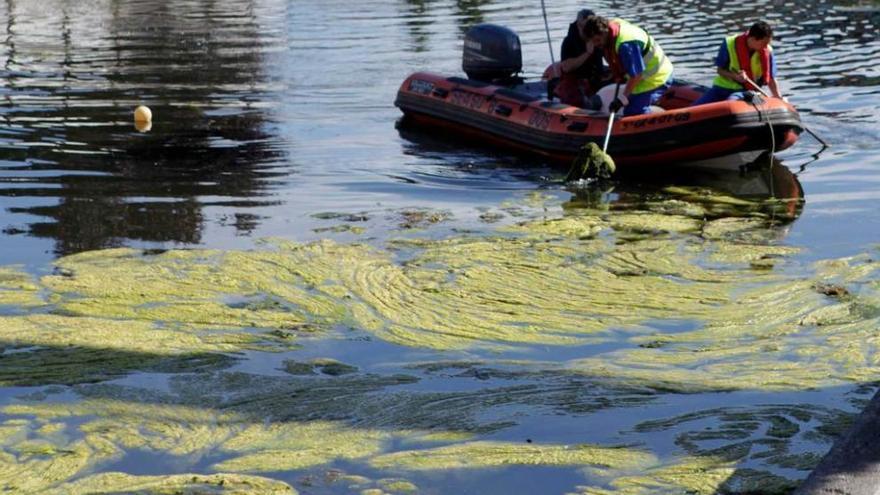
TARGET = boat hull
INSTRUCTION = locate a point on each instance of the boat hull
(518, 119)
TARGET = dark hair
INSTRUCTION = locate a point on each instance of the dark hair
(584, 13)
(595, 24)
(760, 30)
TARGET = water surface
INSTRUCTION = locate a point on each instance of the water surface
(275, 119)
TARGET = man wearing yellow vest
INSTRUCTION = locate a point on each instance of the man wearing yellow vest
(741, 60)
(634, 56)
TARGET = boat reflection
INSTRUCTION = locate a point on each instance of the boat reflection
(763, 188)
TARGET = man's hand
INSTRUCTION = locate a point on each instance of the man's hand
(588, 45)
(615, 105)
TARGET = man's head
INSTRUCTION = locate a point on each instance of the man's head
(582, 18)
(760, 35)
(595, 30)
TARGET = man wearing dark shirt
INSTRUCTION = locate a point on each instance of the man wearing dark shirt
(580, 66)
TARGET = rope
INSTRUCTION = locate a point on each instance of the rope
(772, 151)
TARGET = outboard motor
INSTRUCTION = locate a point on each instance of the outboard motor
(492, 53)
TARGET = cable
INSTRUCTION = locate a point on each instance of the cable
(772, 150)
(766, 115)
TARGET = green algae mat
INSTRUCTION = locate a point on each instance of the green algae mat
(669, 348)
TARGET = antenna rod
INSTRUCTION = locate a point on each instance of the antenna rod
(547, 29)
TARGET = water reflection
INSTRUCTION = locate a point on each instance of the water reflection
(470, 12)
(764, 188)
(416, 18)
(69, 145)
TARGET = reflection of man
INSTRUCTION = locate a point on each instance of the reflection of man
(580, 67)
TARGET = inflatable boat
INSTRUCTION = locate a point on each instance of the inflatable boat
(494, 106)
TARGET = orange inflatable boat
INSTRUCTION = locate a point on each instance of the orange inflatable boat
(520, 118)
(494, 105)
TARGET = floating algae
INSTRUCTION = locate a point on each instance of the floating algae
(549, 282)
(485, 454)
(338, 229)
(693, 475)
(586, 278)
(459, 293)
(325, 366)
(345, 217)
(18, 289)
(338, 481)
(454, 293)
(766, 433)
(251, 423)
(59, 349)
(419, 218)
(397, 486)
(32, 459)
(286, 446)
(109, 428)
(781, 335)
(229, 484)
(259, 424)
(191, 288)
(356, 397)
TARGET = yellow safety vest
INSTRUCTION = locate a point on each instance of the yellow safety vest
(658, 67)
(757, 71)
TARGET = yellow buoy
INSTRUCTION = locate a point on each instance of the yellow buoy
(143, 114)
(142, 126)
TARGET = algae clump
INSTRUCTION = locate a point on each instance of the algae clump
(66, 350)
(285, 446)
(17, 289)
(228, 484)
(694, 475)
(473, 455)
(549, 282)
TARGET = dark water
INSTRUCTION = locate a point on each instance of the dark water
(272, 116)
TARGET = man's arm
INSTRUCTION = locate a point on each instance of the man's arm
(631, 59)
(771, 78)
(774, 88)
(739, 77)
(630, 84)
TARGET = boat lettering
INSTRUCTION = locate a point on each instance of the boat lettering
(539, 119)
(421, 86)
(467, 99)
(657, 120)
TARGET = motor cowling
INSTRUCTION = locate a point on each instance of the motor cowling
(491, 53)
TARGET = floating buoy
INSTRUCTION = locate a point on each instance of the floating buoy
(143, 126)
(143, 114)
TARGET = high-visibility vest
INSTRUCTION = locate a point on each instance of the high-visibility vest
(736, 66)
(658, 67)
